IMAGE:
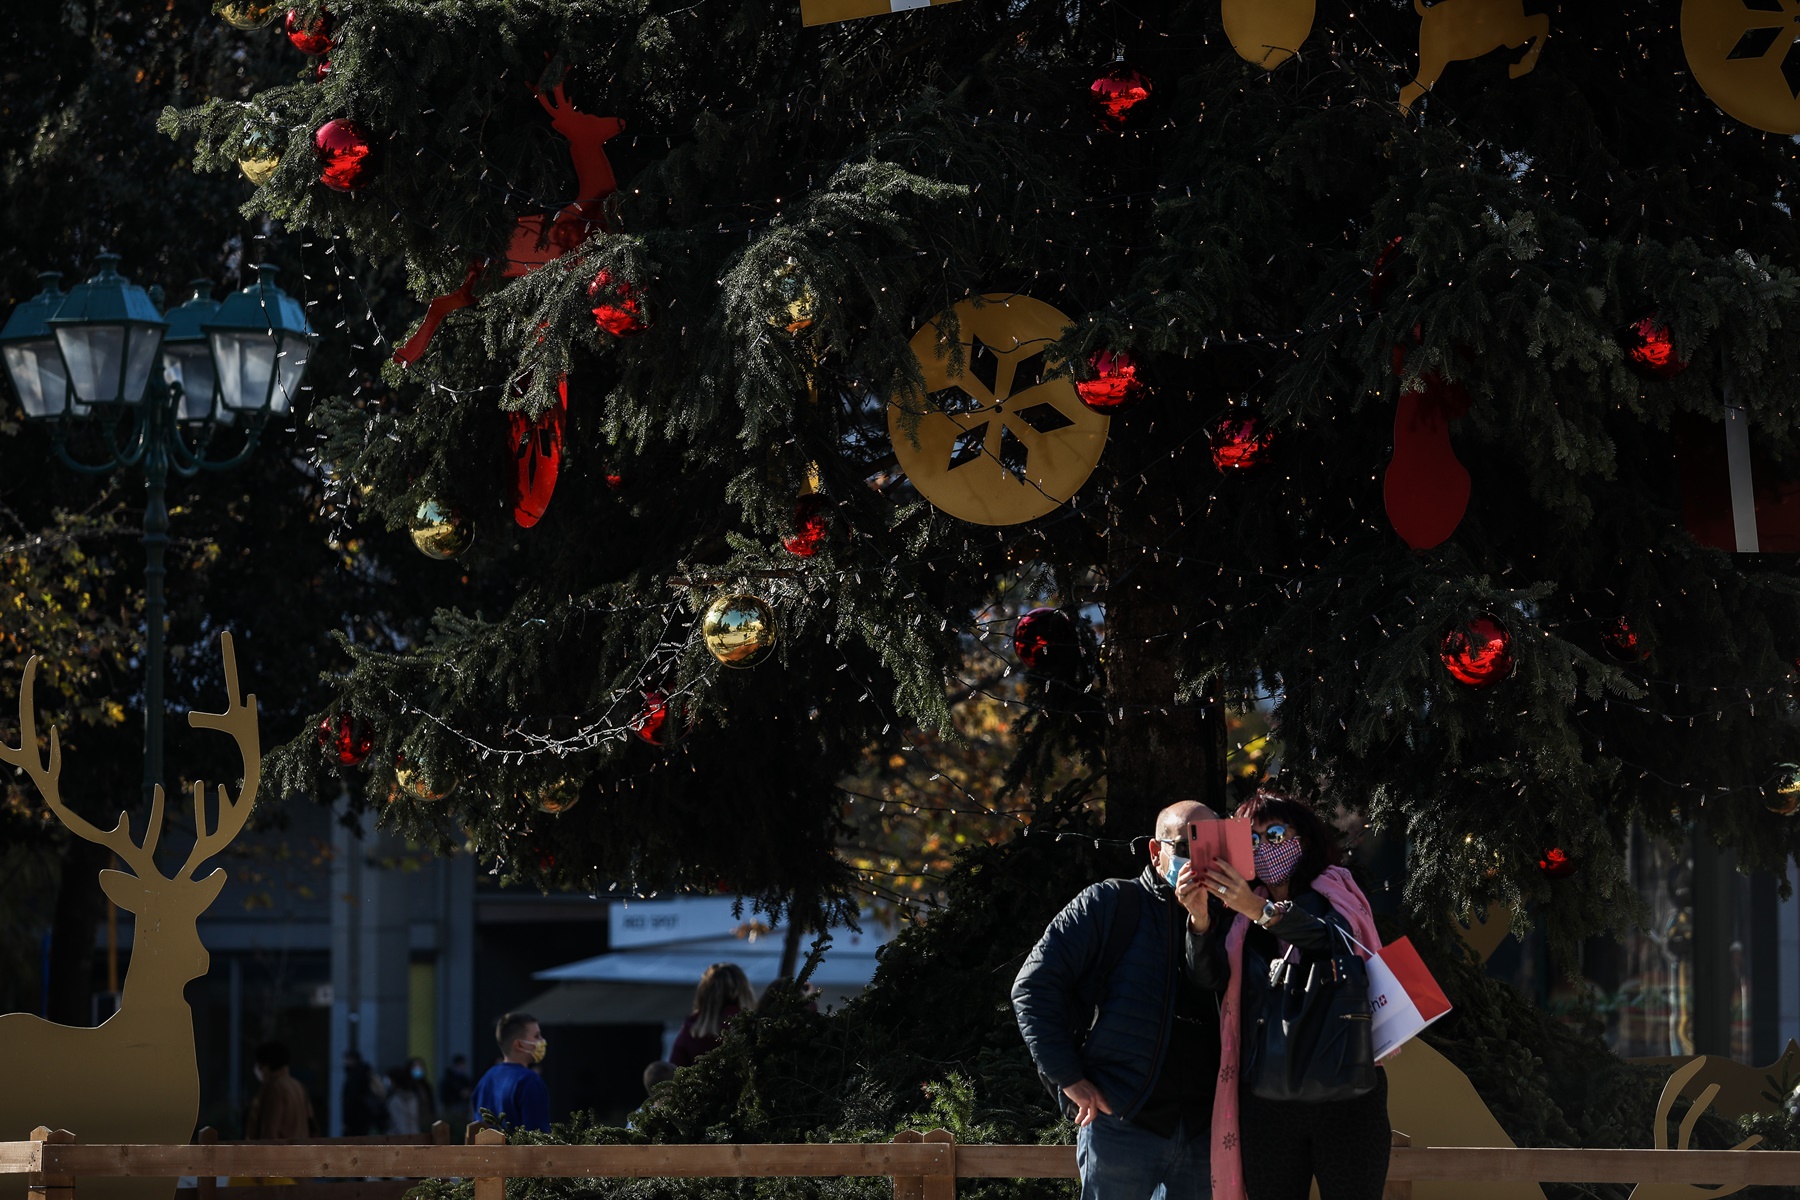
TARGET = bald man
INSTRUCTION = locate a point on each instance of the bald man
(1118, 1003)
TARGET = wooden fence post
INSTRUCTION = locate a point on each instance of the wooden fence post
(487, 1187)
(206, 1187)
(440, 1133)
(908, 1187)
(942, 1187)
(45, 1186)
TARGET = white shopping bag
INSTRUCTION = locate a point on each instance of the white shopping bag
(1403, 997)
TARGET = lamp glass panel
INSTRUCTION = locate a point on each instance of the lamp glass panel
(246, 365)
(191, 364)
(143, 343)
(38, 376)
(290, 365)
(95, 355)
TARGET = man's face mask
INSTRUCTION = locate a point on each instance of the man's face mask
(536, 1049)
(1177, 858)
(1277, 853)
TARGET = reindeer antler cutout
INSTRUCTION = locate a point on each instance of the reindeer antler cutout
(1666, 1105)
(238, 720)
(45, 772)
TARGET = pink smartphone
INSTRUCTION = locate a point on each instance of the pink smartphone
(1228, 839)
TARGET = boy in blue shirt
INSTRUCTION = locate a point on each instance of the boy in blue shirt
(511, 1090)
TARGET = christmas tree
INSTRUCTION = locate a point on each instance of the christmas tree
(1403, 391)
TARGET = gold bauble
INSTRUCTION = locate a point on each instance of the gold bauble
(247, 14)
(739, 630)
(558, 797)
(416, 783)
(258, 157)
(797, 298)
(440, 531)
(1267, 32)
(259, 170)
(1786, 800)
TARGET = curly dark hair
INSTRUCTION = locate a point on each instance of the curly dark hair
(1319, 840)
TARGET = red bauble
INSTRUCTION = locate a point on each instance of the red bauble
(1116, 382)
(1623, 642)
(1240, 441)
(321, 69)
(1117, 92)
(1479, 653)
(1044, 639)
(615, 483)
(536, 450)
(1556, 864)
(344, 738)
(812, 525)
(618, 309)
(663, 722)
(1650, 348)
(346, 156)
(309, 37)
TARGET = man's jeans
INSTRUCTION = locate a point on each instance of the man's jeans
(1120, 1161)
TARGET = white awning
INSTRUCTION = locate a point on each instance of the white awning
(646, 984)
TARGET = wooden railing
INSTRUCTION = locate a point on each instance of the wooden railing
(923, 1166)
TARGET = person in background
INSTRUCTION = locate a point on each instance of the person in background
(419, 1080)
(281, 1108)
(455, 1088)
(724, 992)
(364, 1099)
(510, 1090)
(402, 1103)
(657, 1074)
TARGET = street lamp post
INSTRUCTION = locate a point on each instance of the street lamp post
(89, 357)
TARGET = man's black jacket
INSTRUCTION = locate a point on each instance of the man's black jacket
(1056, 993)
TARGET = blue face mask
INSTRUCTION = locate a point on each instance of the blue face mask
(1175, 865)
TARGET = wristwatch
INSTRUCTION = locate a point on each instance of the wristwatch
(1270, 914)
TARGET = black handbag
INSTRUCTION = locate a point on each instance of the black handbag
(1312, 1043)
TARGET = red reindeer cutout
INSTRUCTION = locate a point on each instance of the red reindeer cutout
(541, 237)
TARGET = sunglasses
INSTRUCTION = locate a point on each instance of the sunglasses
(1178, 845)
(1274, 835)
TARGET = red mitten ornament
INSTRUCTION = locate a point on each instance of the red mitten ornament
(1426, 489)
(537, 448)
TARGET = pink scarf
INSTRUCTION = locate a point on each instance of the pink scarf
(1336, 886)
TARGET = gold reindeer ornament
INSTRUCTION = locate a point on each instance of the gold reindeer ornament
(1459, 30)
(1664, 1106)
(132, 1079)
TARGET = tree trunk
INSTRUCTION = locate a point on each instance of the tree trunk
(80, 907)
(790, 949)
(1156, 753)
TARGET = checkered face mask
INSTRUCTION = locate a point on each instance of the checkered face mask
(1274, 863)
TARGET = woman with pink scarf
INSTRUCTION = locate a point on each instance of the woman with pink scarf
(1302, 903)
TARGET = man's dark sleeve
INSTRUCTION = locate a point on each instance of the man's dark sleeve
(1045, 994)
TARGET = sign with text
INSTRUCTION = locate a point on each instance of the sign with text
(653, 922)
